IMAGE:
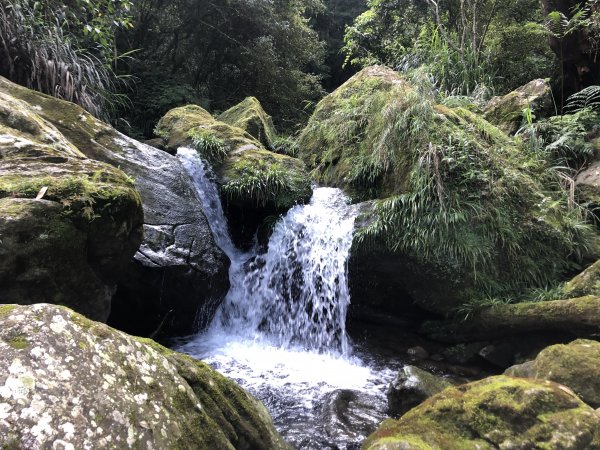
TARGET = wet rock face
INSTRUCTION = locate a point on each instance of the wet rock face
(79, 234)
(411, 387)
(497, 412)
(178, 269)
(67, 382)
(576, 365)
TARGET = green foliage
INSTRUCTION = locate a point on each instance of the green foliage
(588, 97)
(208, 145)
(491, 43)
(285, 145)
(458, 192)
(224, 52)
(64, 50)
(562, 140)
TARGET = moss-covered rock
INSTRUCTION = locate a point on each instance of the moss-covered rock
(586, 283)
(256, 182)
(267, 179)
(250, 116)
(178, 267)
(193, 126)
(461, 210)
(498, 412)
(576, 365)
(507, 112)
(68, 382)
(79, 238)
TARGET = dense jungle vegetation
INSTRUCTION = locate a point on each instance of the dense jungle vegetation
(132, 60)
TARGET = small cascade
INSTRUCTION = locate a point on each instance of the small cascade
(295, 295)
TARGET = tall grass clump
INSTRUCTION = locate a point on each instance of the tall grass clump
(40, 49)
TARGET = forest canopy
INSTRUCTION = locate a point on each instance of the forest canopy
(130, 61)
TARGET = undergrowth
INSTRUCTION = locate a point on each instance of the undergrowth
(208, 145)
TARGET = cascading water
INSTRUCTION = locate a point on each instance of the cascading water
(280, 332)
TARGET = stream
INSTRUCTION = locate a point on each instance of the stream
(281, 330)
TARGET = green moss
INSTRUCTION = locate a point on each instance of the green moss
(454, 191)
(252, 118)
(18, 342)
(5, 310)
(265, 179)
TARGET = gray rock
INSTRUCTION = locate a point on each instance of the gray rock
(69, 383)
(411, 387)
(417, 352)
(178, 267)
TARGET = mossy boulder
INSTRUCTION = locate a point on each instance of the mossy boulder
(68, 382)
(576, 365)
(178, 268)
(256, 182)
(586, 283)
(498, 412)
(454, 210)
(80, 232)
(250, 116)
(411, 387)
(507, 111)
(181, 126)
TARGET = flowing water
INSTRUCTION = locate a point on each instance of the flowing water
(281, 330)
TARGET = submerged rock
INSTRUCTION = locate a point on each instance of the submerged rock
(250, 116)
(498, 412)
(576, 365)
(350, 415)
(411, 387)
(68, 224)
(178, 267)
(507, 111)
(67, 382)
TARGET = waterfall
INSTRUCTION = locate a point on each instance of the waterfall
(296, 294)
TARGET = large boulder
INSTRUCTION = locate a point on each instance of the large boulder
(70, 383)
(68, 224)
(506, 111)
(411, 387)
(178, 266)
(451, 206)
(576, 365)
(256, 183)
(498, 412)
(250, 116)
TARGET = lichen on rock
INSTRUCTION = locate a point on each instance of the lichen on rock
(68, 382)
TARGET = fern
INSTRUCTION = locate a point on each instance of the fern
(586, 98)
